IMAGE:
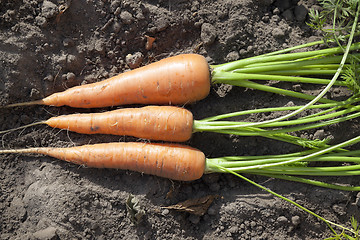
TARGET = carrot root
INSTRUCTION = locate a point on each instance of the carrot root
(181, 79)
(171, 161)
(37, 102)
(23, 127)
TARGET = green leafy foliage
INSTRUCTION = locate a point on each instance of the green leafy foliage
(351, 75)
(343, 236)
(336, 18)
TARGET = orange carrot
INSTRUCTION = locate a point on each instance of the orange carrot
(176, 80)
(171, 161)
(166, 123)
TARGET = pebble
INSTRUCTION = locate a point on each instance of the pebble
(278, 33)
(234, 229)
(295, 220)
(114, 5)
(48, 233)
(126, 17)
(276, 11)
(71, 60)
(161, 24)
(70, 76)
(232, 56)
(207, 33)
(300, 13)
(134, 60)
(165, 212)
(288, 15)
(282, 219)
(49, 9)
(319, 134)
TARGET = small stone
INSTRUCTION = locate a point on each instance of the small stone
(70, 76)
(276, 11)
(46, 234)
(278, 33)
(234, 229)
(126, 17)
(297, 88)
(134, 60)
(232, 56)
(300, 13)
(282, 219)
(208, 34)
(114, 5)
(295, 220)
(161, 24)
(49, 9)
(319, 134)
(99, 47)
(288, 15)
(71, 59)
(165, 212)
(242, 52)
(265, 19)
(252, 224)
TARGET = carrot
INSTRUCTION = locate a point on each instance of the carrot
(176, 80)
(166, 123)
(171, 161)
(175, 124)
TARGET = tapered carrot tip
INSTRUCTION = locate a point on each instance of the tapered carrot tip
(175, 80)
(37, 102)
(171, 161)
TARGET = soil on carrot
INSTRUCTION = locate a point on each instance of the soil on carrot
(48, 46)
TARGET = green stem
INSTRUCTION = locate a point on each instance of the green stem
(261, 87)
(329, 223)
(234, 78)
(313, 182)
(284, 57)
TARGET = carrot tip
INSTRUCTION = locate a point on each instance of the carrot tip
(37, 102)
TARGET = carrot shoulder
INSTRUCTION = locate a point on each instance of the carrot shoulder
(171, 161)
(166, 123)
(176, 80)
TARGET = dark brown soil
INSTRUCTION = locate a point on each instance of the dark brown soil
(42, 52)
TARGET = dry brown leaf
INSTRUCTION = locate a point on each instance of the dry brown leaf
(197, 206)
